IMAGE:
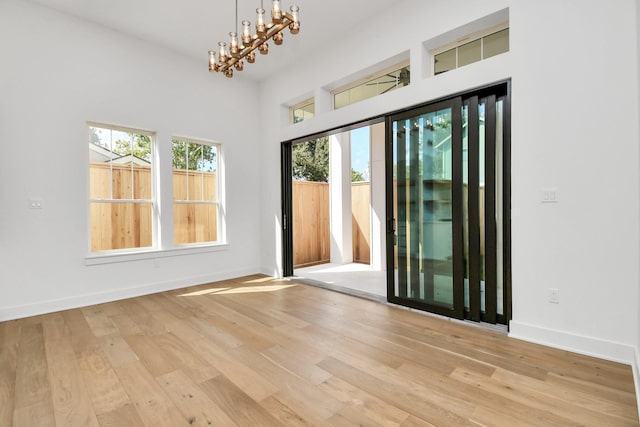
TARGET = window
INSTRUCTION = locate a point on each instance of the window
(382, 82)
(467, 52)
(303, 111)
(196, 191)
(121, 194)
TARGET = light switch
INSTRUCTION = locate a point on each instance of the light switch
(35, 203)
(549, 195)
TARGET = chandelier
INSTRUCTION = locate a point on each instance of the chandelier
(244, 46)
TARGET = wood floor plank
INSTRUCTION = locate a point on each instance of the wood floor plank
(192, 401)
(294, 392)
(123, 416)
(374, 408)
(142, 317)
(36, 415)
(302, 367)
(551, 410)
(71, 403)
(243, 376)
(151, 355)
(33, 390)
(99, 321)
(348, 417)
(575, 397)
(8, 360)
(183, 356)
(118, 351)
(284, 413)
(125, 324)
(105, 390)
(148, 398)
(260, 351)
(80, 332)
(421, 403)
(237, 404)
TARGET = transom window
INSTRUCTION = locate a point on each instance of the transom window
(121, 193)
(465, 52)
(382, 82)
(196, 194)
(303, 111)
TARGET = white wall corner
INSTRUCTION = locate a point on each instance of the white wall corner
(589, 346)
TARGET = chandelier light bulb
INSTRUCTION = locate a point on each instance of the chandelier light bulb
(276, 13)
(234, 42)
(260, 26)
(212, 61)
(246, 33)
(294, 27)
(222, 54)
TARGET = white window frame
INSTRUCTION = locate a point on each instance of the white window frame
(153, 201)
(219, 202)
(364, 80)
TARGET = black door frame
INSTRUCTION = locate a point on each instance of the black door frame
(502, 91)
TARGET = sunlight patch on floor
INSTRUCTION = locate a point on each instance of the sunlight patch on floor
(237, 290)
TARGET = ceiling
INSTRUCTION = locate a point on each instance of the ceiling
(192, 27)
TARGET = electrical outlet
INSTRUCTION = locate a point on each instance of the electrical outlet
(554, 296)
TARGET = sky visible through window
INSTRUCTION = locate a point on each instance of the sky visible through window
(360, 151)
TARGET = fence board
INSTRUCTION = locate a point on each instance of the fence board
(361, 221)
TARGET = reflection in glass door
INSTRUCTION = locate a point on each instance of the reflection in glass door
(426, 153)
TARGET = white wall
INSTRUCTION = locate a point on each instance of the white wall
(574, 127)
(56, 73)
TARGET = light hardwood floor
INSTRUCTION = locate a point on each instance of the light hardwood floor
(261, 352)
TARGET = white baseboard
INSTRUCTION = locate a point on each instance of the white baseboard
(50, 306)
(608, 350)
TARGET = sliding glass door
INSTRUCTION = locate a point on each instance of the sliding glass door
(448, 207)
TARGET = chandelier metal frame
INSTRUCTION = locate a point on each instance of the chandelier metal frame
(245, 45)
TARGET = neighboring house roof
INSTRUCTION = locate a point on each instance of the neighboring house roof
(99, 153)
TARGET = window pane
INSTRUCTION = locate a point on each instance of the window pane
(99, 180)
(120, 226)
(195, 184)
(341, 99)
(195, 223)
(496, 43)
(445, 61)
(356, 94)
(469, 53)
(120, 167)
(305, 112)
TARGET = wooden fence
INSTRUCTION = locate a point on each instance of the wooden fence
(311, 233)
(129, 225)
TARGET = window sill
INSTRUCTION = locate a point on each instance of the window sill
(99, 258)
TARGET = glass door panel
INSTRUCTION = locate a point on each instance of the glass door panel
(426, 155)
